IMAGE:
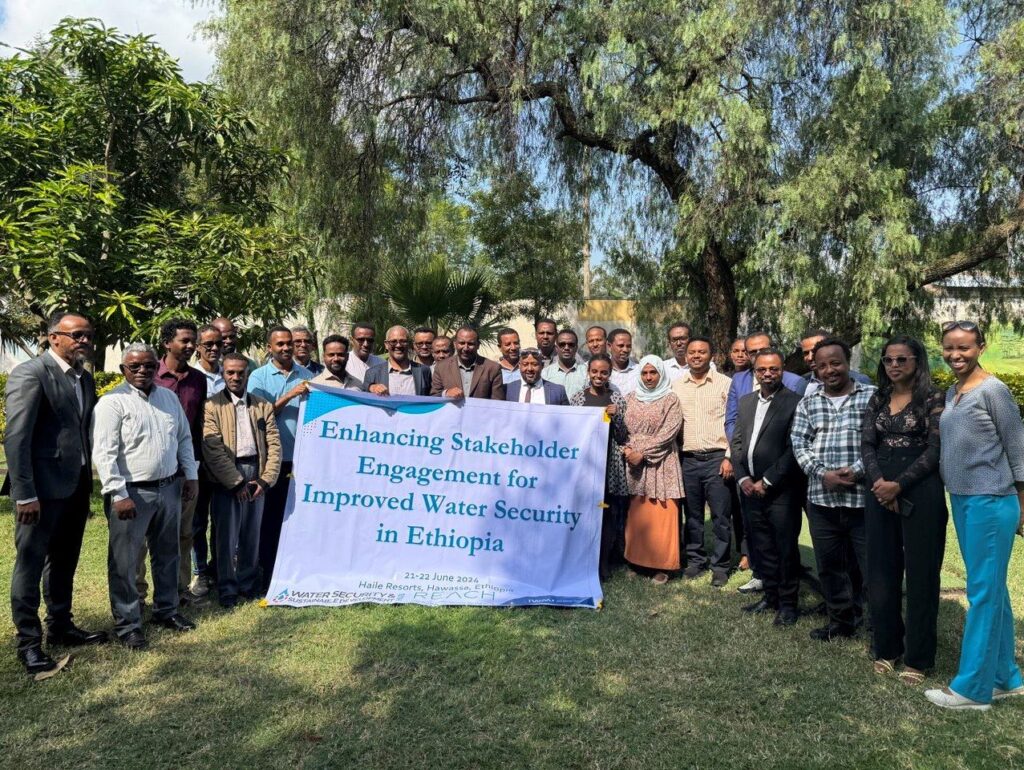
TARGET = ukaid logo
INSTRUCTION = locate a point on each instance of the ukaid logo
(408, 499)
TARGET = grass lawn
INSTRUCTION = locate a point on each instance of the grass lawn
(673, 676)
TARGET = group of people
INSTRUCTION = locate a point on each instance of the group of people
(194, 462)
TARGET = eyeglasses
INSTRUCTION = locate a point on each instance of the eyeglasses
(566, 344)
(147, 366)
(364, 339)
(897, 360)
(397, 343)
(211, 345)
(79, 336)
(766, 369)
(423, 344)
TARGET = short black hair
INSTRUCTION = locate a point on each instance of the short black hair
(596, 326)
(451, 345)
(614, 333)
(60, 315)
(468, 328)
(234, 357)
(540, 321)
(811, 333)
(680, 325)
(600, 357)
(757, 333)
(769, 352)
(169, 329)
(706, 340)
(276, 330)
(208, 328)
(506, 331)
(423, 330)
(575, 336)
(829, 342)
(364, 325)
(330, 339)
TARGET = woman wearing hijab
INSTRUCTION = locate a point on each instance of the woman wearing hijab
(655, 481)
(598, 393)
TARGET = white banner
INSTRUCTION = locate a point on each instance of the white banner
(430, 501)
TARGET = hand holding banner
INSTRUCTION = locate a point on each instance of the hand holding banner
(430, 501)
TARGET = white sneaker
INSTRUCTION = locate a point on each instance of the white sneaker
(950, 700)
(752, 586)
(998, 694)
(200, 585)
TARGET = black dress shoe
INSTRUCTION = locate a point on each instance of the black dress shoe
(693, 572)
(36, 661)
(719, 579)
(134, 640)
(832, 631)
(787, 616)
(759, 608)
(73, 636)
(175, 622)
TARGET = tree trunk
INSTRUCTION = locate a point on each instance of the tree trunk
(717, 295)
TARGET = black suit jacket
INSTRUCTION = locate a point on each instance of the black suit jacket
(46, 434)
(554, 394)
(378, 375)
(773, 453)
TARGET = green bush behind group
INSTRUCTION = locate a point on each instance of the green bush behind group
(106, 381)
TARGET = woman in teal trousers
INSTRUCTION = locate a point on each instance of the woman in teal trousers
(982, 465)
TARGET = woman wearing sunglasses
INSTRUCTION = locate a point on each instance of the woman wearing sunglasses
(983, 467)
(905, 512)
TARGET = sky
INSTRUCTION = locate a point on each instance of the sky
(172, 23)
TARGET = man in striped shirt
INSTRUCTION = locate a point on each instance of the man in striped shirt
(826, 439)
(703, 394)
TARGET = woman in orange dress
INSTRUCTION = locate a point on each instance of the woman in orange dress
(655, 481)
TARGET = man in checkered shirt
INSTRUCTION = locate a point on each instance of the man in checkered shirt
(826, 438)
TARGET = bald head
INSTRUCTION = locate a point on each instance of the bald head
(397, 343)
(228, 333)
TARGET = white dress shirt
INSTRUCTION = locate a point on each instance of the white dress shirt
(140, 437)
(535, 391)
(626, 380)
(760, 412)
(245, 441)
(358, 369)
(214, 381)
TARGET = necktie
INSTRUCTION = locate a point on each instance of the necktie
(529, 393)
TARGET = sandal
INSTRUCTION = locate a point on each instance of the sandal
(911, 677)
(660, 579)
(883, 666)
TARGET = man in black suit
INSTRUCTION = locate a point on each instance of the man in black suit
(771, 486)
(399, 375)
(49, 409)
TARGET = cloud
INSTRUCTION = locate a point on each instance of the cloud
(172, 23)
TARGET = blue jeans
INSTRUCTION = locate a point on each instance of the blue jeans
(985, 526)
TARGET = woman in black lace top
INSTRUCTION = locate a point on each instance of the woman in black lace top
(905, 512)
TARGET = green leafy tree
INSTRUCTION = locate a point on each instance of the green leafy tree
(132, 196)
(789, 161)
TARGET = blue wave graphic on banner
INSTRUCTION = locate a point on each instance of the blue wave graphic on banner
(322, 402)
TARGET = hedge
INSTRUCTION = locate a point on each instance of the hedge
(106, 381)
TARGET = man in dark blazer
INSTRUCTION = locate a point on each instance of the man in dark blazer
(771, 486)
(530, 388)
(398, 375)
(49, 410)
(467, 374)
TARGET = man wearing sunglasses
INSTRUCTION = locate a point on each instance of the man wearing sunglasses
(50, 401)
(567, 370)
(143, 452)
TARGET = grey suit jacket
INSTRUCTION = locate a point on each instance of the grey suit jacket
(46, 434)
(378, 375)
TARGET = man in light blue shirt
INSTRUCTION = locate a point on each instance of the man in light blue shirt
(566, 370)
(281, 381)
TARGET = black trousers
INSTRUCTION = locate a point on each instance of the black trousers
(704, 485)
(840, 546)
(773, 533)
(48, 551)
(912, 546)
(612, 526)
(270, 526)
(204, 553)
(740, 530)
